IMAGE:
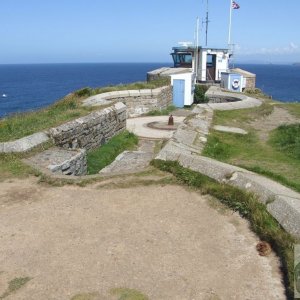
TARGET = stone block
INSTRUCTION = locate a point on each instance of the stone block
(286, 211)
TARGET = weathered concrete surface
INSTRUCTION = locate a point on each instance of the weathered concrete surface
(230, 129)
(132, 161)
(61, 161)
(165, 241)
(24, 144)
(214, 92)
(138, 102)
(190, 137)
(127, 162)
(139, 127)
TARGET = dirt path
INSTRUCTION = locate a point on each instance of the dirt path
(162, 241)
(278, 117)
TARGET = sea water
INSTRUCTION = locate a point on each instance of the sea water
(282, 82)
(30, 87)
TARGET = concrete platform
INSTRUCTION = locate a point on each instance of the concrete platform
(139, 127)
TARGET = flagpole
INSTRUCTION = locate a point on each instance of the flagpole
(229, 31)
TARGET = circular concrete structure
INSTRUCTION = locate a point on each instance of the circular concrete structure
(139, 126)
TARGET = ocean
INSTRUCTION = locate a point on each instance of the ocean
(30, 87)
(282, 82)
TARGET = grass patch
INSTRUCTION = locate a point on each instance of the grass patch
(223, 146)
(86, 296)
(242, 116)
(24, 124)
(262, 223)
(199, 94)
(105, 155)
(162, 112)
(293, 108)
(15, 285)
(11, 164)
(128, 294)
(66, 109)
(286, 139)
(276, 159)
(247, 151)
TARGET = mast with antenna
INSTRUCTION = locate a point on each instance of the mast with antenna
(206, 22)
(196, 49)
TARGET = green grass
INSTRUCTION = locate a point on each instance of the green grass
(86, 296)
(262, 223)
(242, 117)
(11, 164)
(15, 285)
(293, 108)
(66, 109)
(286, 139)
(162, 112)
(128, 294)
(21, 125)
(105, 155)
(199, 94)
(247, 151)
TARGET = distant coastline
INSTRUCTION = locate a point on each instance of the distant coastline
(296, 64)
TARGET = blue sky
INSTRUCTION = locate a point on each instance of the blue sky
(56, 31)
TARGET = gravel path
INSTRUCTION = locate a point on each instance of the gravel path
(278, 117)
(164, 241)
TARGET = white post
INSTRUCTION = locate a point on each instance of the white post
(229, 31)
(197, 46)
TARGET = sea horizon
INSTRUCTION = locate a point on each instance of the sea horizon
(144, 62)
(28, 87)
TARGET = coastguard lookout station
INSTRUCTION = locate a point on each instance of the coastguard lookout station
(207, 63)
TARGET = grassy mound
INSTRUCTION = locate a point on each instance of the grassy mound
(286, 139)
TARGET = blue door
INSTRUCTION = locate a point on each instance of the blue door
(178, 92)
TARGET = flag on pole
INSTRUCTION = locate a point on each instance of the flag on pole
(235, 5)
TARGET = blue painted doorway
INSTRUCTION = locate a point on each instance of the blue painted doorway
(178, 92)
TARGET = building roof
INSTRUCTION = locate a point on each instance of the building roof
(166, 71)
(243, 72)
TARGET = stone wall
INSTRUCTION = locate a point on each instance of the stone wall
(138, 102)
(91, 131)
(61, 161)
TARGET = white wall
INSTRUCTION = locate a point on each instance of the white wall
(221, 65)
(202, 66)
(188, 93)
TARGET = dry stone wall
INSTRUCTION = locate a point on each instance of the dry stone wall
(91, 131)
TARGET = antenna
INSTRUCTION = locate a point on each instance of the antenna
(206, 22)
(196, 49)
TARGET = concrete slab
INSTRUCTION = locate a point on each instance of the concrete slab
(24, 144)
(127, 162)
(230, 129)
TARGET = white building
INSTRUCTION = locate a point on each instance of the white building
(207, 63)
